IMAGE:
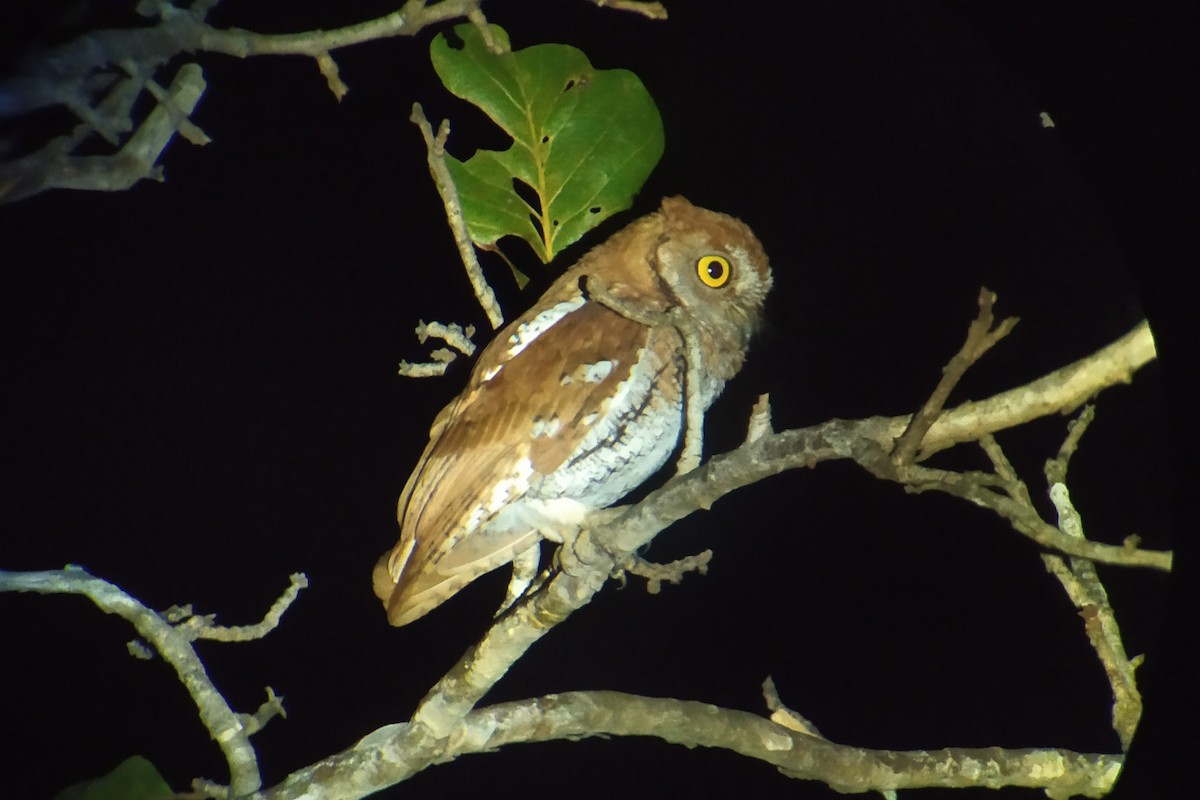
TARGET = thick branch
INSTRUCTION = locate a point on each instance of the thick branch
(869, 442)
(189, 33)
(74, 73)
(396, 752)
(445, 724)
(56, 167)
(174, 643)
(1060, 392)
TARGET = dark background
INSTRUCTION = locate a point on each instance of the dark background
(201, 393)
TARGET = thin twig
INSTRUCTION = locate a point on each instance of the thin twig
(72, 73)
(175, 647)
(1024, 518)
(1004, 469)
(672, 572)
(1083, 585)
(493, 45)
(436, 149)
(1060, 392)
(453, 334)
(782, 715)
(56, 167)
(980, 338)
(1056, 468)
(760, 419)
(271, 707)
(647, 8)
(203, 628)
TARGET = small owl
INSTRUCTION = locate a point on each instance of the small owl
(574, 404)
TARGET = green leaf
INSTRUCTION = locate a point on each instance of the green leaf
(584, 139)
(135, 778)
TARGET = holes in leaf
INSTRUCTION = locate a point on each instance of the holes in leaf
(578, 81)
(594, 209)
(545, 139)
(526, 193)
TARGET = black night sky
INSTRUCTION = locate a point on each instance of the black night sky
(201, 393)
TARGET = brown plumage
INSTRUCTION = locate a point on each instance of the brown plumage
(573, 404)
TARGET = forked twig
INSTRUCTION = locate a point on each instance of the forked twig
(980, 338)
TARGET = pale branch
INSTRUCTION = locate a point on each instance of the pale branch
(486, 662)
(1059, 392)
(174, 645)
(671, 572)
(1026, 519)
(74, 73)
(1056, 468)
(170, 108)
(204, 789)
(446, 723)
(1011, 482)
(185, 31)
(435, 147)
(599, 551)
(981, 336)
(1105, 637)
(494, 46)
(203, 627)
(782, 715)
(647, 8)
(394, 753)
(1083, 586)
(760, 419)
(454, 335)
(332, 75)
(56, 166)
(272, 707)
(435, 368)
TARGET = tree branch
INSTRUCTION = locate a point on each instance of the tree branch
(174, 643)
(1059, 392)
(436, 150)
(600, 550)
(447, 724)
(981, 337)
(396, 752)
(74, 73)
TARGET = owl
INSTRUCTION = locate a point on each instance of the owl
(575, 403)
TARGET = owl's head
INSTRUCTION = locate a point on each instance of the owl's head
(714, 264)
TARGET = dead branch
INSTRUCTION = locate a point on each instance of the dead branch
(174, 643)
(396, 752)
(436, 149)
(447, 722)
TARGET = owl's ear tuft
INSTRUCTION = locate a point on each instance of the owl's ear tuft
(677, 208)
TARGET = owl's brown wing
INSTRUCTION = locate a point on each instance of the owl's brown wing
(522, 414)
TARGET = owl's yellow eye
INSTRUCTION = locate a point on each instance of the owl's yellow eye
(713, 271)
